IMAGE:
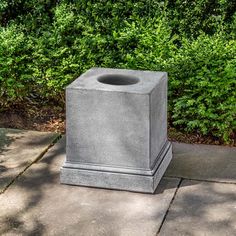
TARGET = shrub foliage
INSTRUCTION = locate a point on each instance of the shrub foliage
(44, 45)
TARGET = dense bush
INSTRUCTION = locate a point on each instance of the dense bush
(15, 72)
(203, 85)
(192, 17)
(44, 45)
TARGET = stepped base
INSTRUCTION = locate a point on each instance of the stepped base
(131, 180)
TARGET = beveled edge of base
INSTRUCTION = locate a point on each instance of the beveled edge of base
(116, 180)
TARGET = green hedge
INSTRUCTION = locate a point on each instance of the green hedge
(203, 86)
(44, 45)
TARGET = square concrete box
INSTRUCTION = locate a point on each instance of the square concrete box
(116, 130)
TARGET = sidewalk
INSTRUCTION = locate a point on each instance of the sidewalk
(197, 196)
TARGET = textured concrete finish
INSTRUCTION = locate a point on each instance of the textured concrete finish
(203, 162)
(117, 123)
(201, 209)
(18, 149)
(38, 205)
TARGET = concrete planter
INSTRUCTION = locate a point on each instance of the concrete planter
(117, 130)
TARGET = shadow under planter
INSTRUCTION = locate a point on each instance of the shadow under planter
(117, 130)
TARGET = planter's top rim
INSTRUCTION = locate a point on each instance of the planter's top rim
(147, 80)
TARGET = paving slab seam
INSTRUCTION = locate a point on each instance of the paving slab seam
(171, 202)
(201, 180)
(39, 157)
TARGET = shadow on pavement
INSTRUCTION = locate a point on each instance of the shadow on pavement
(7, 136)
(30, 191)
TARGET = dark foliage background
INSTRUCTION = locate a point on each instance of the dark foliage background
(44, 45)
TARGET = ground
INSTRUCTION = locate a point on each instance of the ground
(39, 118)
(197, 195)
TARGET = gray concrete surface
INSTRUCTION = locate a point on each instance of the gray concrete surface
(202, 209)
(117, 127)
(18, 149)
(37, 204)
(203, 162)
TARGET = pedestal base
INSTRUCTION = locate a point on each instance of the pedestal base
(118, 178)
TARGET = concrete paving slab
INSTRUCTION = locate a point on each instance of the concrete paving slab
(18, 149)
(203, 162)
(37, 204)
(202, 208)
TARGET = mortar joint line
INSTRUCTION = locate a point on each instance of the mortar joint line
(168, 209)
(38, 158)
(202, 180)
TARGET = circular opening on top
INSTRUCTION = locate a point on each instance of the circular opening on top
(115, 79)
